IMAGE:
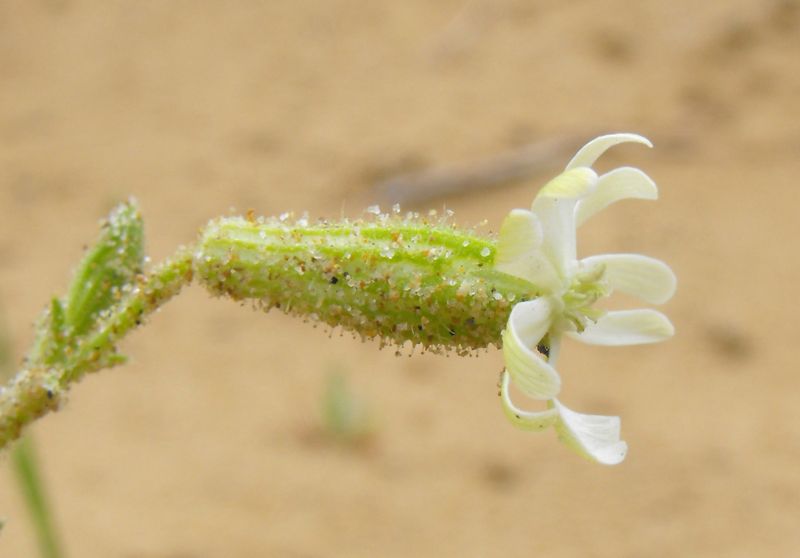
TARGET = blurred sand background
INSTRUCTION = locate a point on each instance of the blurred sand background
(209, 443)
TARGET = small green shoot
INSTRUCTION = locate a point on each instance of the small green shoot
(346, 417)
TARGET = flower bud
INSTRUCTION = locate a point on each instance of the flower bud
(107, 267)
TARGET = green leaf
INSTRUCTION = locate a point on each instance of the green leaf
(55, 340)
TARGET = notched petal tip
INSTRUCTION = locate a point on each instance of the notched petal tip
(627, 327)
(535, 421)
(589, 153)
(616, 185)
(642, 276)
(594, 437)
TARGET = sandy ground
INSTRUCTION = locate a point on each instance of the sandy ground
(210, 443)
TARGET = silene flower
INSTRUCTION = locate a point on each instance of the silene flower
(404, 280)
(539, 246)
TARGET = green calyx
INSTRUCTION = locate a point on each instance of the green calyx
(400, 280)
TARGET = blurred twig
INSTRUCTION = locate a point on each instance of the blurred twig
(27, 471)
(510, 166)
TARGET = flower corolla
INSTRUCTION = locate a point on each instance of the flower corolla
(538, 245)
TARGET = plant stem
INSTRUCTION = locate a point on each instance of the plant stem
(38, 389)
(27, 471)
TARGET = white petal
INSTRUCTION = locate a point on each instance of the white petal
(526, 420)
(589, 153)
(519, 251)
(619, 184)
(570, 184)
(527, 325)
(520, 233)
(555, 208)
(648, 278)
(595, 437)
(627, 327)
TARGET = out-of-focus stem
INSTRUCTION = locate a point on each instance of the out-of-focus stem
(30, 482)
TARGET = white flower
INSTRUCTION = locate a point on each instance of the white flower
(539, 246)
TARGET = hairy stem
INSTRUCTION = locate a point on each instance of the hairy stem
(40, 387)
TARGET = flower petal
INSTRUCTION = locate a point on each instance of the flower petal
(527, 325)
(648, 278)
(530, 320)
(595, 437)
(555, 208)
(519, 253)
(627, 327)
(589, 153)
(526, 420)
(520, 232)
(618, 184)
